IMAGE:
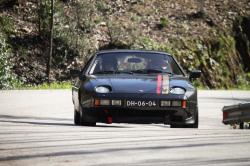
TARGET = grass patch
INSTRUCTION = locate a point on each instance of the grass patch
(53, 85)
(242, 87)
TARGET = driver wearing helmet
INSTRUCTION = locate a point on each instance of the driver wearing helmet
(157, 64)
(109, 64)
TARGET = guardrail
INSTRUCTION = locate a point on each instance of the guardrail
(237, 115)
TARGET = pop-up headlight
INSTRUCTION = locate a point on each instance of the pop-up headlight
(178, 91)
(102, 89)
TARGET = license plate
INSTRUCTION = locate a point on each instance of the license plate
(140, 103)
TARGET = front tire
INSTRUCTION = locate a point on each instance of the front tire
(195, 125)
(83, 119)
(77, 118)
(176, 126)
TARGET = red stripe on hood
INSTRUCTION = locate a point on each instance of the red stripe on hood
(159, 83)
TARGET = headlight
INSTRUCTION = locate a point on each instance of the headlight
(102, 89)
(178, 91)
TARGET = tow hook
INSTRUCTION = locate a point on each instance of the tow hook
(109, 120)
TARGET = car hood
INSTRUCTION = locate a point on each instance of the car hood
(137, 83)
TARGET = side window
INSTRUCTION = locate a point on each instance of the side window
(175, 67)
(87, 65)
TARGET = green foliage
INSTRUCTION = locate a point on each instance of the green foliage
(101, 6)
(135, 18)
(228, 70)
(53, 85)
(164, 22)
(148, 43)
(6, 25)
(44, 11)
(74, 25)
(248, 76)
(7, 78)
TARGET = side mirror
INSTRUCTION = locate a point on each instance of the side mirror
(75, 73)
(195, 74)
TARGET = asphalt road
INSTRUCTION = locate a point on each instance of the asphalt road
(36, 128)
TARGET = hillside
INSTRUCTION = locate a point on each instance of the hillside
(215, 40)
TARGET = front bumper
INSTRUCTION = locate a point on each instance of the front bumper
(137, 115)
(157, 114)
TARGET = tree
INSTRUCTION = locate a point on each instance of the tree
(45, 24)
(51, 39)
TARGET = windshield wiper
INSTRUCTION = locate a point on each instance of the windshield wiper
(141, 71)
(123, 72)
(105, 72)
(113, 72)
(148, 71)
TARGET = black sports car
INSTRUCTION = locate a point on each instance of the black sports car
(131, 86)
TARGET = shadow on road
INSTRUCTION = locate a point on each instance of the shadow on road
(194, 162)
(35, 120)
(113, 150)
(37, 123)
(44, 121)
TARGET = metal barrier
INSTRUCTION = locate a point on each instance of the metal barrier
(237, 115)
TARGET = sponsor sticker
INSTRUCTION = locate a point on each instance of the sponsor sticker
(162, 84)
(165, 84)
(159, 82)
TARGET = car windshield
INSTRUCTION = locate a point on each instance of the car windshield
(138, 62)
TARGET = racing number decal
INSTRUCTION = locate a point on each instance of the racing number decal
(162, 84)
(159, 82)
(165, 84)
